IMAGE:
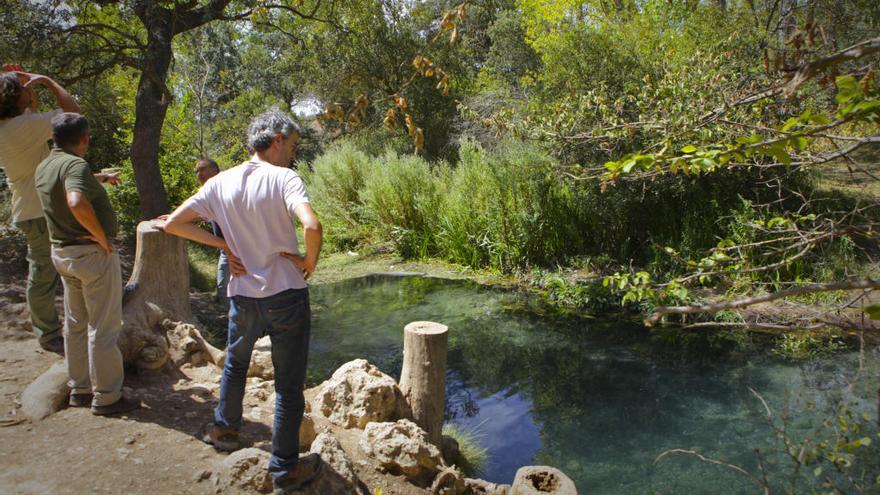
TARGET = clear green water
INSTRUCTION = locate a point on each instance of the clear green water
(598, 398)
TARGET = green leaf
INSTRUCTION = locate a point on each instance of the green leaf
(820, 119)
(689, 149)
(791, 122)
(818, 471)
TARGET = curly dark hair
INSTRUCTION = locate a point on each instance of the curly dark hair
(10, 91)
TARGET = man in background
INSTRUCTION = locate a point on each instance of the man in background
(205, 169)
(23, 145)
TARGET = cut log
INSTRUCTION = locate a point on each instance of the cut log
(158, 290)
(423, 377)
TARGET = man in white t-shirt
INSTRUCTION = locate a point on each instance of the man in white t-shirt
(255, 205)
(23, 145)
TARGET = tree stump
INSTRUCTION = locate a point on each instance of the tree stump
(423, 377)
(159, 292)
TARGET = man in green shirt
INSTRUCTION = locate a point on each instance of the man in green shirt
(81, 225)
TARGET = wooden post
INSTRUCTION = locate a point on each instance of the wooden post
(423, 377)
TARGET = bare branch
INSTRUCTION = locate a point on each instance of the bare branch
(659, 311)
(703, 458)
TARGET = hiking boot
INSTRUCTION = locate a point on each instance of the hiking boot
(55, 344)
(306, 470)
(123, 405)
(223, 438)
(80, 400)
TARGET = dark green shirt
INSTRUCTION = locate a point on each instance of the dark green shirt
(58, 174)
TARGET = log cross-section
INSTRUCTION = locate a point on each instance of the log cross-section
(423, 377)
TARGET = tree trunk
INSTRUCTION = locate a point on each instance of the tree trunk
(151, 105)
(158, 302)
(423, 377)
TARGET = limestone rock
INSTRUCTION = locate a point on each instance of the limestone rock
(537, 480)
(244, 469)
(402, 448)
(450, 481)
(481, 487)
(46, 394)
(359, 393)
(335, 458)
(306, 433)
(261, 360)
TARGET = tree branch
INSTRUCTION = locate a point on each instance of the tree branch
(810, 69)
(659, 311)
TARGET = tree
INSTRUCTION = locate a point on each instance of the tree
(87, 39)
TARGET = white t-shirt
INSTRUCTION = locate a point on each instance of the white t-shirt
(254, 204)
(22, 147)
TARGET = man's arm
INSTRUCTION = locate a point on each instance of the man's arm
(182, 223)
(84, 213)
(65, 101)
(313, 234)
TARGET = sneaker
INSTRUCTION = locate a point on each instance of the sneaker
(307, 469)
(55, 344)
(80, 400)
(124, 404)
(223, 438)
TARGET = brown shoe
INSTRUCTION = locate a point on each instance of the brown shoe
(80, 400)
(224, 439)
(307, 469)
(123, 405)
(55, 344)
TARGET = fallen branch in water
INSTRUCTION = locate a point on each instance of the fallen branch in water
(703, 458)
(659, 311)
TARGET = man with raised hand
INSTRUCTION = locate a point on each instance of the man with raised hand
(255, 205)
(24, 133)
(81, 226)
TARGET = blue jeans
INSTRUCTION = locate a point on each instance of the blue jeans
(286, 317)
(222, 277)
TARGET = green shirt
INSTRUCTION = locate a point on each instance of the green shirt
(58, 174)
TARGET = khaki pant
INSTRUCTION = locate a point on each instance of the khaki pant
(42, 279)
(92, 320)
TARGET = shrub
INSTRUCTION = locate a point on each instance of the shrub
(402, 197)
(334, 181)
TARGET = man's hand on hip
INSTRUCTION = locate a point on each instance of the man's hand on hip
(301, 263)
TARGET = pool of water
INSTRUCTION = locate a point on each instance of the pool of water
(599, 398)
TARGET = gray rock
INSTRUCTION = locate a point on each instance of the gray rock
(306, 433)
(47, 394)
(537, 480)
(402, 448)
(449, 481)
(335, 458)
(359, 393)
(261, 360)
(481, 487)
(244, 469)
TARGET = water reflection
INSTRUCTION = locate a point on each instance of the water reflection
(598, 398)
